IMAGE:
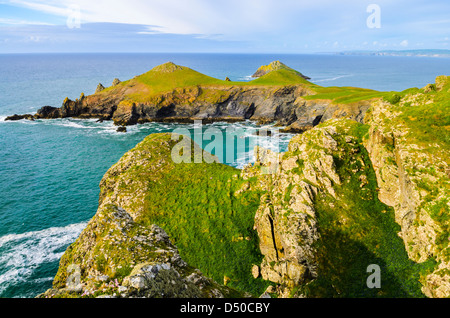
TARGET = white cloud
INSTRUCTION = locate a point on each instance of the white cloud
(169, 16)
(22, 22)
(51, 7)
(266, 24)
(231, 17)
(404, 43)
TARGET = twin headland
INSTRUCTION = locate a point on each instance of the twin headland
(173, 93)
(364, 184)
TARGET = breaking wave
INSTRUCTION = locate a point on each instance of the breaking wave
(22, 254)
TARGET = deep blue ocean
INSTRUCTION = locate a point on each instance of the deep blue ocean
(50, 170)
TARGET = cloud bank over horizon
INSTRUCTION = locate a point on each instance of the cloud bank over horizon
(244, 26)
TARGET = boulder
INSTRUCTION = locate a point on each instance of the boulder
(48, 112)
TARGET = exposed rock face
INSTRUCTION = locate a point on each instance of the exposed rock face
(99, 88)
(286, 220)
(310, 113)
(113, 244)
(312, 174)
(116, 82)
(235, 103)
(116, 255)
(197, 98)
(402, 167)
(48, 112)
(19, 117)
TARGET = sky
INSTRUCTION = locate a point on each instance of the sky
(231, 26)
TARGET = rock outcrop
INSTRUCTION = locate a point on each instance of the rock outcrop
(19, 117)
(116, 82)
(117, 257)
(173, 93)
(413, 174)
(99, 88)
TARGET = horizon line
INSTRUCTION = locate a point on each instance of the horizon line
(242, 53)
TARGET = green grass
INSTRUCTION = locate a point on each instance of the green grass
(429, 124)
(428, 121)
(200, 207)
(211, 226)
(169, 77)
(348, 95)
(344, 95)
(279, 77)
(358, 230)
(166, 81)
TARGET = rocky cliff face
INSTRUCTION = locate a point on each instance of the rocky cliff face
(119, 256)
(413, 177)
(310, 208)
(396, 163)
(310, 222)
(277, 97)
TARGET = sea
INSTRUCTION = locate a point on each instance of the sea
(50, 170)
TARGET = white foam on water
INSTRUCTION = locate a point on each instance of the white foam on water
(23, 121)
(21, 254)
(332, 78)
(276, 142)
(247, 78)
(73, 123)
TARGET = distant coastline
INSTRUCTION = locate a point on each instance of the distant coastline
(416, 53)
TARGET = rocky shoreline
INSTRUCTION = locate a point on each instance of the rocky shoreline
(279, 103)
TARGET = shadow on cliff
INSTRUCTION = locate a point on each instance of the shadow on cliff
(343, 271)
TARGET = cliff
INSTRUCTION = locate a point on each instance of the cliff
(122, 253)
(348, 194)
(173, 93)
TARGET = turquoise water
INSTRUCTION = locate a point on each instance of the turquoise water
(50, 169)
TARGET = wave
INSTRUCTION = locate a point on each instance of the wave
(276, 142)
(73, 124)
(247, 78)
(22, 254)
(332, 78)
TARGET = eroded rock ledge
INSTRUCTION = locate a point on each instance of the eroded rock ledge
(113, 243)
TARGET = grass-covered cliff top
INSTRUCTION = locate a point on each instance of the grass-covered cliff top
(274, 67)
(169, 77)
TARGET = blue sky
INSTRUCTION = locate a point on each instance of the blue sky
(238, 26)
